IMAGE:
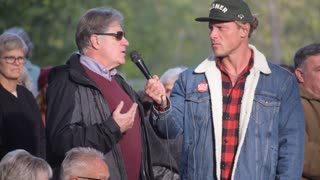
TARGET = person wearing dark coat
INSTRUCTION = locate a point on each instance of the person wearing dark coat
(91, 105)
(20, 121)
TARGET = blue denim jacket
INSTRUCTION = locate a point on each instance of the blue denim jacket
(271, 137)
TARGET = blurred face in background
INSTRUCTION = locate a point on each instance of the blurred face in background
(309, 75)
(12, 64)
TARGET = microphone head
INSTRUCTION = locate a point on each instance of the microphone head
(135, 56)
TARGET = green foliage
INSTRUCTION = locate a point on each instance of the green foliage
(163, 31)
(297, 23)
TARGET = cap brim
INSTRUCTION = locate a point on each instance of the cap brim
(207, 19)
(204, 19)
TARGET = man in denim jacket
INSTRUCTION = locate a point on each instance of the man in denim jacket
(240, 115)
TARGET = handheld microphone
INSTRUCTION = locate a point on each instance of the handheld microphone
(136, 58)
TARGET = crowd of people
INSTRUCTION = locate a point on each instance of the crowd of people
(234, 116)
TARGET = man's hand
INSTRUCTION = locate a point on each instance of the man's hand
(155, 89)
(125, 121)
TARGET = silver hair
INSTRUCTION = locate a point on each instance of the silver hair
(77, 158)
(96, 20)
(21, 165)
(171, 75)
(24, 36)
(10, 41)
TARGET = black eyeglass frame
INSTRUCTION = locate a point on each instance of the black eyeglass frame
(12, 59)
(118, 35)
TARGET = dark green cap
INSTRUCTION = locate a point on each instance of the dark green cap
(228, 10)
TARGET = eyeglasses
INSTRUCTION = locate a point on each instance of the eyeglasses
(12, 59)
(93, 178)
(118, 35)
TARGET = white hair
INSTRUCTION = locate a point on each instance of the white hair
(77, 158)
(21, 165)
(171, 75)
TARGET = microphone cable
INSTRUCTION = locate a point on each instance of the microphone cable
(167, 138)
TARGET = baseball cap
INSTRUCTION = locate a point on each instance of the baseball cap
(228, 10)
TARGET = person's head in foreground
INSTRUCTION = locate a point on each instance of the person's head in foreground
(83, 163)
(21, 165)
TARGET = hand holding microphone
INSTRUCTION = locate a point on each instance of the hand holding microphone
(153, 88)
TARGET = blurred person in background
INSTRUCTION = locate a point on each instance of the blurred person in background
(84, 163)
(25, 80)
(33, 70)
(42, 91)
(20, 122)
(290, 68)
(170, 76)
(21, 165)
(307, 71)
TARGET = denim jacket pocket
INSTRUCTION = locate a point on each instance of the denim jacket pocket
(198, 105)
(266, 106)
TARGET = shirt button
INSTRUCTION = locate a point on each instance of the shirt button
(225, 141)
(223, 165)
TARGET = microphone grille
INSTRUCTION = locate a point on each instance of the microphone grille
(135, 56)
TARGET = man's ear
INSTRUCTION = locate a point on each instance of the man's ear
(299, 74)
(94, 40)
(245, 28)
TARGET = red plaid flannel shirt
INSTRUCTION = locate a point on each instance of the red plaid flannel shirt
(231, 115)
